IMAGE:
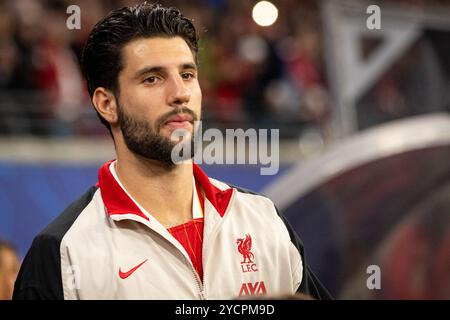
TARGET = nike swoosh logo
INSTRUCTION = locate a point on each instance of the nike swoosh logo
(124, 275)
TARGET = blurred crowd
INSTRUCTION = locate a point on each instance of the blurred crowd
(250, 75)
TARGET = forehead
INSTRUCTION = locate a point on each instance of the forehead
(156, 51)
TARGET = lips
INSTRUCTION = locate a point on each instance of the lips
(179, 121)
(180, 118)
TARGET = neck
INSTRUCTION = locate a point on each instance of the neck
(165, 192)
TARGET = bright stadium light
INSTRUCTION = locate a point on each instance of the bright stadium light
(264, 13)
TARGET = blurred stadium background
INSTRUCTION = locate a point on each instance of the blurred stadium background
(363, 117)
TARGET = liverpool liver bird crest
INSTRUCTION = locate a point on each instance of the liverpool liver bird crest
(245, 248)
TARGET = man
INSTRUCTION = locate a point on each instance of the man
(9, 267)
(150, 228)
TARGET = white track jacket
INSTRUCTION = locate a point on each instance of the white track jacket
(104, 247)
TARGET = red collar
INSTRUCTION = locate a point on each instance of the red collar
(118, 202)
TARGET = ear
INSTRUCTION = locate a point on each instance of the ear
(105, 103)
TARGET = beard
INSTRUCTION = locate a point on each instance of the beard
(143, 140)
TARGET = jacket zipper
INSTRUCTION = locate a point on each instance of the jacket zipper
(198, 281)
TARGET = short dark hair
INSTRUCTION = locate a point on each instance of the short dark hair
(102, 58)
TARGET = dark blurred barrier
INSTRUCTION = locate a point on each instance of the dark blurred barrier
(381, 198)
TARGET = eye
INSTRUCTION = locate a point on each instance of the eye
(187, 75)
(151, 79)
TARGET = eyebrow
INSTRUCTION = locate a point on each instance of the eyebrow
(156, 69)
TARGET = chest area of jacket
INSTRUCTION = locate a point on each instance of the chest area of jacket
(238, 260)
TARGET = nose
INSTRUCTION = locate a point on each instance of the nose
(178, 93)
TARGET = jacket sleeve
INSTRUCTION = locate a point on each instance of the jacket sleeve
(39, 277)
(310, 285)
